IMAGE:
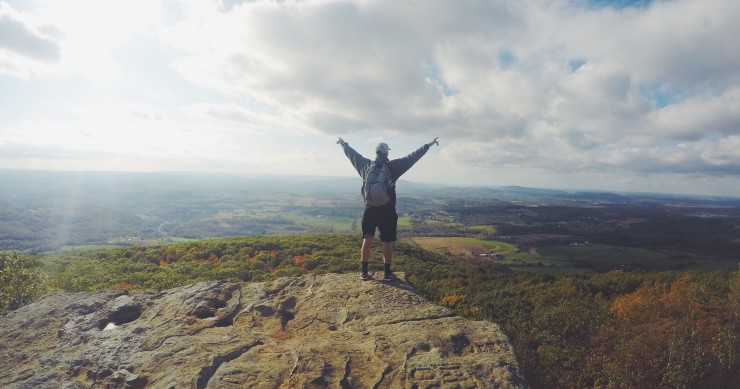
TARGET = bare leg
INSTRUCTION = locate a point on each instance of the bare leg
(387, 252)
(367, 246)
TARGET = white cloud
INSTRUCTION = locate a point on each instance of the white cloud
(27, 45)
(537, 88)
(699, 116)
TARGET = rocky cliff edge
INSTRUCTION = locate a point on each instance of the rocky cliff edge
(331, 331)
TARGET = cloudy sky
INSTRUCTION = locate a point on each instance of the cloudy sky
(610, 95)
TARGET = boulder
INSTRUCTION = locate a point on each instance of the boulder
(314, 331)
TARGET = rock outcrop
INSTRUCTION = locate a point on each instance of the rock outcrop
(309, 332)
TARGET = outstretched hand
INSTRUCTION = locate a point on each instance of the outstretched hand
(340, 141)
(433, 142)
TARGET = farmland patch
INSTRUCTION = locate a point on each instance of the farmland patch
(464, 246)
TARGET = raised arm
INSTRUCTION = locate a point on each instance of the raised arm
(359, 162)
(401, 165)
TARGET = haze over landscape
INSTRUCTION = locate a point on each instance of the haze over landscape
(609, 95)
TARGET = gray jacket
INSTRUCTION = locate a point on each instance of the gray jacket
(397, 167)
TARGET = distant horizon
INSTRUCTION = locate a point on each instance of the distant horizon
(403, 179)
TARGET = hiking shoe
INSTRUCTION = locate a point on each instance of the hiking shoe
(364, 276)
(389, 277)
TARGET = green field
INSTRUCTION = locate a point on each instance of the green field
(585, 258)
(601, 255)
(88, 247)
(333, 223)
(404, 222)
(600, 252)
(483, 228)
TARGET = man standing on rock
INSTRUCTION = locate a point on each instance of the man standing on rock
(379, 192)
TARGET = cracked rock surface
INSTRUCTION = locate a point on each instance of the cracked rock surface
(315, 331)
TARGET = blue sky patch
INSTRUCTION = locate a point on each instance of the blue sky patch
(620, 4)
(433, 76)
(505, 58)
(661, 95)
(576, 64)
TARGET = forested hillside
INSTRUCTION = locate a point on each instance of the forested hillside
(616, 329)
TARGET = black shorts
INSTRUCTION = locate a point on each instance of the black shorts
(384, 219)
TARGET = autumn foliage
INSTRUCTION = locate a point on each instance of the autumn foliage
(619, 329)
(679, 334)
(612, 330)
